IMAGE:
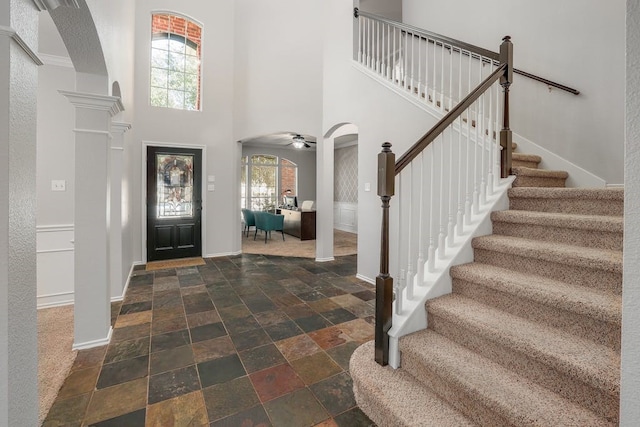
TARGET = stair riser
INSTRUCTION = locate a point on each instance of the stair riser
(525, 364)
(575, 275)
(569, 236)
(569, 206)
(583, 326)
(372, 408)
(526, 164)
(531, 181)
(454, 394)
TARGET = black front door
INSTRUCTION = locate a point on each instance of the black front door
(174, 203)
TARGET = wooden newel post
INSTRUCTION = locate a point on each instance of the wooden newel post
(506, 56)
(384, 282)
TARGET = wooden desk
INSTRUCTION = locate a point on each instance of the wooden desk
(301, 224)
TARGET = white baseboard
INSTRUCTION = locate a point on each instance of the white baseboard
(95, 343)
(126, 285)
(222, 254)
(55, 300)
(325, 259)
(366, 279)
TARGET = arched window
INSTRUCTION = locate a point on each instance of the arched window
(176, 46)
(264, 181)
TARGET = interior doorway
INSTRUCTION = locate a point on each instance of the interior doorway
(174, 203)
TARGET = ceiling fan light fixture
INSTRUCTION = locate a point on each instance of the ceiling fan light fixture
(298, 141)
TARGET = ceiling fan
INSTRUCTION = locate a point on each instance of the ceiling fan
(298, 141)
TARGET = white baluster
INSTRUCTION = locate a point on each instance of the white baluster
(468, 181)
(442, 213)
(432, 250)
(394, 72)
(435, 64)
(476, 192)
(405, 63)
(378, 70)
(442, 76)
(399, 287)
(421, 260)
(481, 124)
(409, 281)
(490, 178)
(450, 78)
(460, 217)
(419, 67)
(450, 200)
(411, 82)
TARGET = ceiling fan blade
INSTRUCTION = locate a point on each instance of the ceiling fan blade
(306, 145)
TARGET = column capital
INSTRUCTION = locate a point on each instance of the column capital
(13, 34)
(92, 101)
(120, 127)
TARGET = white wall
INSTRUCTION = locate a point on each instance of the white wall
(391, 9)
(575, 42)
(211, 127)
(278, 67)
(630, 372)
(56, 141)
(306, 161)
(379, 114)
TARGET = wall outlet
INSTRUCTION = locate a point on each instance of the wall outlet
(58, 185)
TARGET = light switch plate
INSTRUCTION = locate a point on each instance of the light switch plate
(367, 186)
(58, 185)
(211, 187)
(211, 178)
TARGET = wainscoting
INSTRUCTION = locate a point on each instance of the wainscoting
(345, 216)
(54, 249)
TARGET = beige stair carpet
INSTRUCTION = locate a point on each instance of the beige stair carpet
(531, 333)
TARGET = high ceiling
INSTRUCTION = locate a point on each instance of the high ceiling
(285, 139)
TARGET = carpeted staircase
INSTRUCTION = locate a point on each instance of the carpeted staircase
(530, 334)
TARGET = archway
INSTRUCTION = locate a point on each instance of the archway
(325, 187)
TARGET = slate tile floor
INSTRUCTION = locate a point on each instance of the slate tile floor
(249, 340)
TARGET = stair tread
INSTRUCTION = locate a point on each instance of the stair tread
(580, 358)
(604, 259)
(567, 193)
(581, 300)
(565, 220)
(539, 173)
(501, 390)
(390, 389)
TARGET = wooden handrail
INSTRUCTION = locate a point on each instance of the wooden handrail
(447, 120)
(464, 48)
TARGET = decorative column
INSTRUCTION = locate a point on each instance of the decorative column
(18, 318)
(92, 293)
(324, 199)
(118, 130)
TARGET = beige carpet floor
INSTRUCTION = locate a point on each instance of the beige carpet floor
(344, 243)
(55, 356)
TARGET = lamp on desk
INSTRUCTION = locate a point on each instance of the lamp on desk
(283, 193)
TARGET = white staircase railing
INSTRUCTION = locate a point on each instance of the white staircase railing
(449, 181)
(434, 69)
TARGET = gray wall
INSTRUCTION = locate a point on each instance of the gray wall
(306, 161)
